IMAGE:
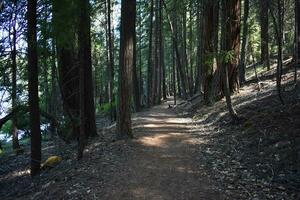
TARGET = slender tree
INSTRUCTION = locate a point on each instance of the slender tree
(111, 58)
(264, 23)
(15, 139)
(150, 75)
(33, 88)
(278, 26)
(244, 42)
(297, 37)
(85, 60)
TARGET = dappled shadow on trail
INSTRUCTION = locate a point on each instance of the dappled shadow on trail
(160, 162)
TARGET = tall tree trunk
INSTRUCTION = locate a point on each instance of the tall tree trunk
(45, 56)
(278, 26)
(111, 59)
(150, 63)
(136, 87)
(64, 33)
(33, 88)
(244, 42)
(86, 100)
(174, 73)
(136, 91)
(185, 63)
(155, 71)
(209, 27)
(141, 84)
(230, 42)
(297, 38)
(85, 62)
(127, 43)
(161, 48)
(264, 23)
(191, 60)
(15, 139)
(200, 46)
(54, 91)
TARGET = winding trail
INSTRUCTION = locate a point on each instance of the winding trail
(162, 164)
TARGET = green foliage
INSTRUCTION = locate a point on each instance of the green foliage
(209, 59)
(106, 108)
(226, 56)
(6, 128)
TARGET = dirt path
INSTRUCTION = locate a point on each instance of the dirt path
(161, 163)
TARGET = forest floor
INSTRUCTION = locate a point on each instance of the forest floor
(185, 152)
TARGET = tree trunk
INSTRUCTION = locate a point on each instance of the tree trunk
(244, 42)
(85, 61)
(33, 88)
(264, 23)
(161, 48)
(297, 38)
(15, 139)
(278, 26)
(232, 12)
(127, 43)
(209, 29)
(111, 59)
(191, 55)
(200, 46)
(64, 34)
(230, 42)
(174, 73)
(54, 91)
(150, 67)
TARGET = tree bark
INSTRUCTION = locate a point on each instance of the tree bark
(200, 46)
(244, 42)
(15, 139)
(231, 47)
(33, 88)
(230, 42)
(85, 62)
(297, 38)
(111, 59)
(64, 30)
(150, 67)
(264, 23)
(127, 43)
(278, 26)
